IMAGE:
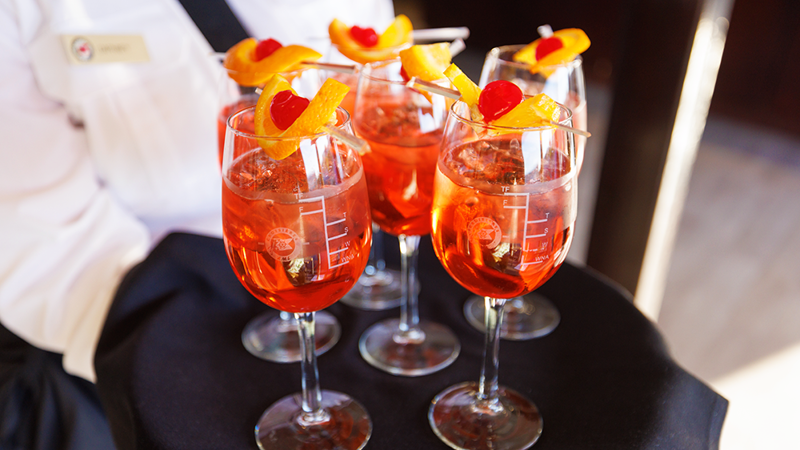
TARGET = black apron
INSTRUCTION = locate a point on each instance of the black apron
(41, 406)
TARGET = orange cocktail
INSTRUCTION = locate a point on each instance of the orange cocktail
(228, 109)
(404, 129)
(379, 287)
(283, 268)
(296, 229)
(552, 65)
(504, 208)
(401, 163)
(497, 242)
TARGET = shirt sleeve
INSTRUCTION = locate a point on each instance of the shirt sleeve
(66, 242)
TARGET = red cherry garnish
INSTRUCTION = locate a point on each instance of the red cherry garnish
(407, 78)
(404, 74)
(286, 108)
(548, 45)
(367, 37)
(266, 48)
(498, 98)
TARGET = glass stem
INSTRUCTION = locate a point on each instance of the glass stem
(409, 310)
(376, 263)
(312, 395)
(377, 247)
(491, 363)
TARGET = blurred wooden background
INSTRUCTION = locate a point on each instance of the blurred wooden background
(731, 307)
(759, 79)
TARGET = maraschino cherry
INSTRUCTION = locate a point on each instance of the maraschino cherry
(266, 48)
(498, 98)
(548, 45)
(286, 108)
(404, 74)
(367, 37)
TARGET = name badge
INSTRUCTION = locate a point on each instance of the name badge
(103, 49)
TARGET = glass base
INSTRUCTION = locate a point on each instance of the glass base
(276, 339)
(346, 425)
(524, 318)
(376, 292)
(383, 346)
(463, 422)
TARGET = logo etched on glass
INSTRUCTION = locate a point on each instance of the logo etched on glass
(283, 244)
(485, 232)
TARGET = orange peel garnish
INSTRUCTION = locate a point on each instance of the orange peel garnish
(396, 35)
(320, 111)
(426, 62)
(535, 111)
(242, 67)
(574, 42)
(470, 92)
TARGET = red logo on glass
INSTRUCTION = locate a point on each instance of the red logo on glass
(485, 232)
(283, 244)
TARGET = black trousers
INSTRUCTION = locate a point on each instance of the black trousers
(44, 408)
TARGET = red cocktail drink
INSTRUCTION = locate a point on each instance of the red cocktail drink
(400, 165)
(404, 130)
(494, 238)
(294, 251)
(227, 111)
(296, 229)
(504, 207)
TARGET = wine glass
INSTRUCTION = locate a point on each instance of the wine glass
(297, 235)
(504, 207)
(404, 129)
(379, 287)
(532, 315)
(267, 336)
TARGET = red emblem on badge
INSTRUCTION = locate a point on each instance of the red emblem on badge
(82, 49)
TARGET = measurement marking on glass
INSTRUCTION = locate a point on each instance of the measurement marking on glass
(526, 236)
(327, 224)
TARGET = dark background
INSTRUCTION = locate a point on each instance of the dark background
(758, 82)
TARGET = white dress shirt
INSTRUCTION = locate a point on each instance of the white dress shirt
(100, 161)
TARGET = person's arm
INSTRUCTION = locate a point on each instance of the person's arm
(65, 243)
